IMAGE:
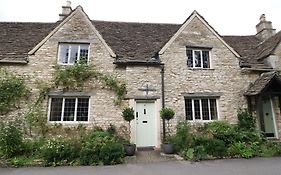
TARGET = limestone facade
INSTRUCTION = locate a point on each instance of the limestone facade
(224, 76)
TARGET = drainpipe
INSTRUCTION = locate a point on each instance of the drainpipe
(163, 98)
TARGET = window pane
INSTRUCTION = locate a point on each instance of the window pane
(188, 109)
(69, 109)
(189, 58)
(197, 58)
(73, 54)
(205, 109)
(206, 62)
(82, 109)
(63, 55)
(197, 109)
(56, 109)
(213, 108)
(83, 53)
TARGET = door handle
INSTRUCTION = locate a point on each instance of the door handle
(137, 115)
(144, 121)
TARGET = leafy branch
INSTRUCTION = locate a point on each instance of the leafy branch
(75, 77)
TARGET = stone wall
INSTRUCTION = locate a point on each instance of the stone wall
(41, 67)
(224, 76)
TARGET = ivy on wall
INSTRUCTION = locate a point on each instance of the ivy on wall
(75, 77)
(12, 89)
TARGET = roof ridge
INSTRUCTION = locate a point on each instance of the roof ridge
(130, 22)
(23, 22)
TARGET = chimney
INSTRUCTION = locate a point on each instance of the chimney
(264, 28)
(66, 10)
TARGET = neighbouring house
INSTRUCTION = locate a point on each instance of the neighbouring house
(190, 67)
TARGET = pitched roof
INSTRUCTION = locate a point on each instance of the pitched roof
(261, 83)
(254, 50)
(267, 47)
(17, 39)
(135, 41)
(193, 15)
(131, 42)
(244, 45)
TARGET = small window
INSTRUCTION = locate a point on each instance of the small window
(73, 53)
(69, 109)
(198, 58)
(204, 109)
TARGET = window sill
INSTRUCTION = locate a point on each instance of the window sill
(65, 64)
(69, 122)
(200, 121)
(200, 68)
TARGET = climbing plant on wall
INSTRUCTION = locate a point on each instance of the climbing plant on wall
(76, 76)
(12, 88)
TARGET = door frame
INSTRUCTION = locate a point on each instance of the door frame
(157, 107)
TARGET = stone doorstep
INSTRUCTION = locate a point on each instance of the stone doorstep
(150, 156)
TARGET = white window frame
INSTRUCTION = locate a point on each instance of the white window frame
(62, 110)
(69, 52)
(201, 111)
(201, 56)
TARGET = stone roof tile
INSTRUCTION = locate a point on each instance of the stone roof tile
(17, 39)
(257, 87)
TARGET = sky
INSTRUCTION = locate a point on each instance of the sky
(235, 17)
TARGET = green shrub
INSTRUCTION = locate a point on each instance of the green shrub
(200, 153)
(222, 130)
(167, 113)
(24, 160)
(11, 139)
(195, 154)
(216, 148)
(183, 138)
(188, 154)
(246, 121)
(270, 149)
(101, 148)
(250, 136)
(60, 150)
(32, 147)
(128, 114)
(241, 149)
(112, 153)
(12, 89)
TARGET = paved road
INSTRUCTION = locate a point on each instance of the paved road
(256, 166)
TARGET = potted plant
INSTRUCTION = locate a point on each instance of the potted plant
(167, 114)
(128, 115)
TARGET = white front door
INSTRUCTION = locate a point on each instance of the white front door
(145, 124)
(269, 119)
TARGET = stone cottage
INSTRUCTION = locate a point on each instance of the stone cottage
(190, 67)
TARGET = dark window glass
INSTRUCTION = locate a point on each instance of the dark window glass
(189, 58)
(188, 109)
(64, 52)
(82, 109)
(206, 62)
(69, 109)
(84, 53)
(73, 54)
(197, 109)
(213, 108)
(56, 109)
(197, 58)
(205, 109)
